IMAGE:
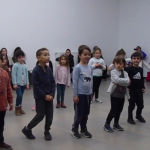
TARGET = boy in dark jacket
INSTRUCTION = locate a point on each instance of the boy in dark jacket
(44, 91)
(5, 98)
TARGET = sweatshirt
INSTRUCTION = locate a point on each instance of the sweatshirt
(82, 80)
(62, 75)
(5, 90)
(136, 77)
(43, 82)
(97, 71)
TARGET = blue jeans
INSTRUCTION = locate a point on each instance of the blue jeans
(60, 92)
(19, 93)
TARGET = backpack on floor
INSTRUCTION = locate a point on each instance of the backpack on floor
(148, 76)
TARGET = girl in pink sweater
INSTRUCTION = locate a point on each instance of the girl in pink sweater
(62, 78)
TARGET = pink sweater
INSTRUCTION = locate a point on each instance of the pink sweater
(62, 75)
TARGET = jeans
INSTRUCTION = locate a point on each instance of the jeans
(43, 109)
(82, 110)
(19, 93)
(60, 92)
(2, 117)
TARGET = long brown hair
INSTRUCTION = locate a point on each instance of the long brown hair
(67, 61)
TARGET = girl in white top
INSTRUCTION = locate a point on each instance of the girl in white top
(98, 65)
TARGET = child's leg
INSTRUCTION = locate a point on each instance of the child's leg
(97, 84)
(58, 92)
(119, 109)
(49, 116)
(79, 112)
(63, 87)
(19, 96)
(86, 112)
(40, 110)
(2, 117)
(94, 85)
(22, 91)
(140, 103)
(113, 110)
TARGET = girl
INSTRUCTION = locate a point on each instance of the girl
(98, 65)
(6, 61)
(14, 56)
(20, 80)
(49, 64)
(62, 78)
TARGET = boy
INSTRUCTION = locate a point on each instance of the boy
(82, 88)
(117, 90)
(44, 91)
(5, 98)
(136, 89)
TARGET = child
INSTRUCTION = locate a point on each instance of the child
(82, 88)
(117, 90)
(5, 98)
(98, 65)
(136, 89)
(62, 78)
(44, 91)
(50, 65)
(20, 80)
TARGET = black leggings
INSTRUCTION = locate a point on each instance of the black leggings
(96, 85)
(2, 122)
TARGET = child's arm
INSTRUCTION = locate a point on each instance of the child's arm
(110, 67)
(36, 86)
(76, 74)
(53, 84)
(128, 60)
(14, 72)
(104, 66)
(56, 72)
(91, 63)
(68, 73)
(146, 65)
(27, 79)
(120, 81)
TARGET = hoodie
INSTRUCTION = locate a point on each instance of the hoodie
(43, 82)
(5, 90)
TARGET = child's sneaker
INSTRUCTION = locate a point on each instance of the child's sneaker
(34, 107)
(107, 128)
(98, 100)
(86, 134)
(28, 133)
(141, 119)
(75, 133)
(5, 146)
(131, 121)
(117, 127)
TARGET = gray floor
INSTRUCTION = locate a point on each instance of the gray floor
(135, 137)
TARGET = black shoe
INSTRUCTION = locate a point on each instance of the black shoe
(75, 133)
(131, 121)
(48, 136)
(117, 127)
(86, 134)
(141, 119)
(5, 146)
(107, 128)
(28, 133)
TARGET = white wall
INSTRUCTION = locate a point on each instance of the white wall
(58, 25)
(134, 23)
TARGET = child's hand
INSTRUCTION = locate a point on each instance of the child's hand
(100, 65)
(114, 83)
(15, 87)
(47, 98)
(56, 85)
(27, 87)
(68, 86)
(129, 81)
(51, 98)
(109, 69)
(96, 65)
(11, 106)
(9, 69)
(76, 100)
(143, 90)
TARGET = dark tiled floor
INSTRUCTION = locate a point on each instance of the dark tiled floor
(133, 138)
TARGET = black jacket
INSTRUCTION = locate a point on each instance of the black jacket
(71, 60)
(43, 82)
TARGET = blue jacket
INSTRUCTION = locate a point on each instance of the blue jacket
(17, 70)
(144, 55)
(43, 82)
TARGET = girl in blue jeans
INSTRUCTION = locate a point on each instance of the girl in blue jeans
(20, 80)
(62, 78)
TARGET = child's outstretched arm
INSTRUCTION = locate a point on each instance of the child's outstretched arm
(110, 67)
(120, 81)
(146, 65)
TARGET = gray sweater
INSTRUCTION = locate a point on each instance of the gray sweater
(82, 80)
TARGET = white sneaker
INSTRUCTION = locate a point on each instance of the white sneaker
(98, 100)
(92, 101)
